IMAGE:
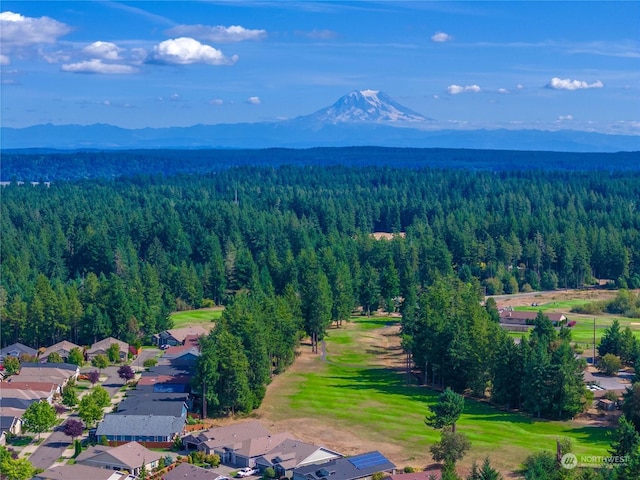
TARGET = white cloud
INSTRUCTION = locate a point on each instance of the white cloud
(103, 50)
(456, 89)
(254, 100)
(520, 86)
(4, 60)
(97, 66)
(218, 33)
(567, 84)
(185, 51)
(441, 37)
(436, 97)
(216, 101)
(19, 31)
(175, 97)
(503, 90)
(565, 118)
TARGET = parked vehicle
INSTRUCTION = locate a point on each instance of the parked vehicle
(246, 472)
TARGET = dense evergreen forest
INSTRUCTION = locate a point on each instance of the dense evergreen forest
(51, 165)
(289, 249)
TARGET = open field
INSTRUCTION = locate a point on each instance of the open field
(203, 316)
(563, 302)
(353, 398)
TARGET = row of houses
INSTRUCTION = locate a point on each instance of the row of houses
(64, 348)
(35, 382)
(155, 412)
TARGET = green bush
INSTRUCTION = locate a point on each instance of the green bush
(150, 362)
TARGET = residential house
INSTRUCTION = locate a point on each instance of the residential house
(11, 423)
(101, 347)
(16, 350)
(151, 382)
(182, 355)
(30, 390)
(129, 456)
(79, 472)
(217, 438)
(428, 474)
(177, 336)
(62, 348)
(359, 467)
(162, 404)
(58, 373)
(245, 453)
(513, 317)
(187, 471)
(151, 430)
(291, 454)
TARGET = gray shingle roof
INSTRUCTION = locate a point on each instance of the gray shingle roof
(140, 425)
(161, 404)
(344, 468)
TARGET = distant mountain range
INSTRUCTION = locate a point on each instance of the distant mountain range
(360, 118)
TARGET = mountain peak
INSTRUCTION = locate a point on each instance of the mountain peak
(366, 106)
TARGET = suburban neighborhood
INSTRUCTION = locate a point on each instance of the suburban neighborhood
(149, 428)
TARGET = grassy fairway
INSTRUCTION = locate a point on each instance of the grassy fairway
(352, 390)
(196, 317)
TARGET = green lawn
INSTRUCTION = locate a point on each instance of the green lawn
(350, 392)
(195, 317)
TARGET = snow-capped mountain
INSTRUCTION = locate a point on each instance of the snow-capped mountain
(366, 106)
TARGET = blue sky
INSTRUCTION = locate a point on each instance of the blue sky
(547, 65)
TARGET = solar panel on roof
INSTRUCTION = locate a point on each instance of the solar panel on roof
(368, 460)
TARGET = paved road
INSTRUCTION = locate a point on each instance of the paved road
(52, 448)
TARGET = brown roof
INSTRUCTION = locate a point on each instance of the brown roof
(63, 346)
(186, 471)
(230, 434)
(424, 475)
(254, 447)
(181, 334)
(146, 380)
(523, 315)
(79, 472)
(131, 454)
(106, 343)
(18, 385)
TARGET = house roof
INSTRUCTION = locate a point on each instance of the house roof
(16, 349)
(106, 343)
(131, 454)
(16, 384)
(163, 404)
(181, 350)
(186, 471)
(57, 373)
(79, 472)
(257, 446)
(15, 403)
(7, 421)
(180, 334)
(290, 453)
(230, 434)
(145, 425)
(351, 468)
(63, 346)
(60, 366)
(149, 378)
(521, 315)
(423, 475)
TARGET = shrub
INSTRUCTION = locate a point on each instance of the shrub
(269, 472)
(609, 364)
(150, 362)
(214, 460)
(409, 470)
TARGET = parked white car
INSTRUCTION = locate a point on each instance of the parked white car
(246, 472)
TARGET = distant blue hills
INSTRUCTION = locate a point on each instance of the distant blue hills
(365, 118)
